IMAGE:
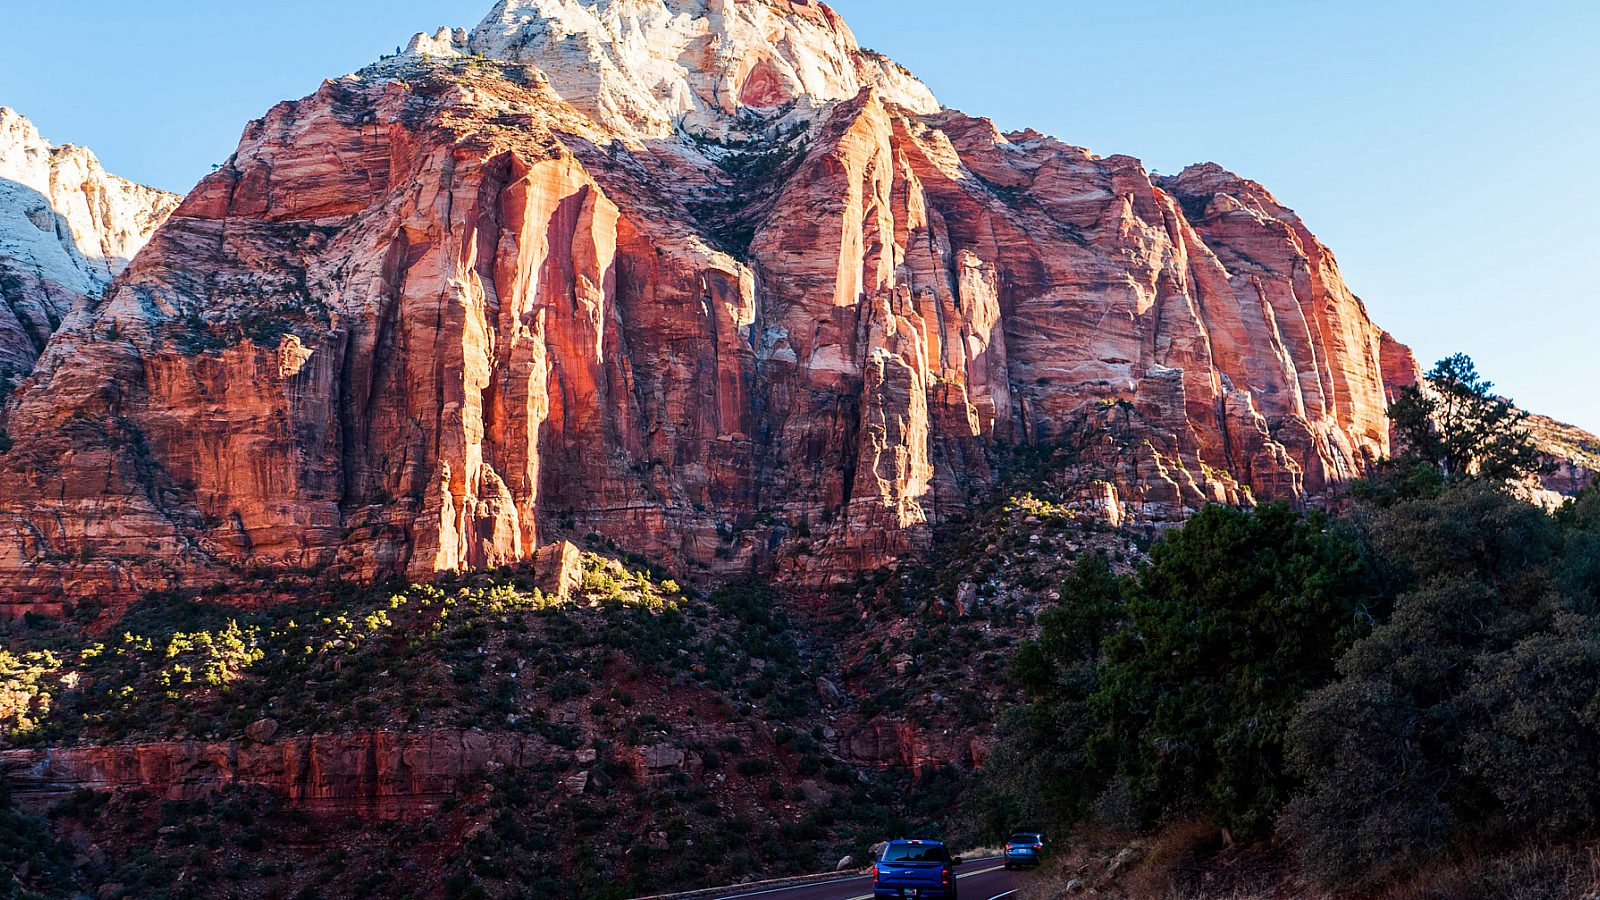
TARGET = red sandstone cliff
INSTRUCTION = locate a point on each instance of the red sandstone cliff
(438, 314)
(374, 775)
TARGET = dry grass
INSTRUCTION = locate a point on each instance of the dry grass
(1190, 861)
(1087, 858)
(1538, 873)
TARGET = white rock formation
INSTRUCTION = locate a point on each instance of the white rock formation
(67, 228)
(443, 43)
(647, 66)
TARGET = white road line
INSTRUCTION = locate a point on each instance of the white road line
(962, 875)
(801, 887)
(797, 887)
(1006, 894)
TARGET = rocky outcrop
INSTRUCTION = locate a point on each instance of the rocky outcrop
(452, 309)
(373, 775)
(885, 744)
(67, 227)
(558, 571)
(1571, 457)
(650, 68)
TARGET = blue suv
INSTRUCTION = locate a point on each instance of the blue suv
(1024, 849)
(915, 869)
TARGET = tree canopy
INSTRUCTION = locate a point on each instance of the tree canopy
(1457, 426)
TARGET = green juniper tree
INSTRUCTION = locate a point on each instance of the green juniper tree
(1167, 692)
(1042, 773)
(1235, 617)
(1470, 713)
(1459, 428)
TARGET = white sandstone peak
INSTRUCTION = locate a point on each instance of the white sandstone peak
(444, 43)
(67, 228)
(107, 218)
(646, 66)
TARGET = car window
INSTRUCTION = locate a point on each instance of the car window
(915, 853)
(1025, 838)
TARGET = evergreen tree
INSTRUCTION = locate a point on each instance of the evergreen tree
(1047, 773)
(1459, 428)
(1236, 616)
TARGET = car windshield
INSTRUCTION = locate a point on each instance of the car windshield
(909, 853)
(1024, 838)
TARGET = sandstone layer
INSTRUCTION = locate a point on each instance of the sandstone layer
(713, 284)
(373, 775)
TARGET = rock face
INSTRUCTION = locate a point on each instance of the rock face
(373, 775)
(651, 68)
(558, 570)
(884, 744)
(1572, 455)
(709, 282)
(67, 228)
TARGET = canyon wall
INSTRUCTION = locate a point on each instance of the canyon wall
(511, 287)
(372, 775)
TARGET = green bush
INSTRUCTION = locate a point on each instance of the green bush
(1536, 739)
(1236, 616)
(1470, 712)
(1375, 797)
(26, 845)
(754, 766)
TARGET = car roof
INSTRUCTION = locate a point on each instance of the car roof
(915, 841)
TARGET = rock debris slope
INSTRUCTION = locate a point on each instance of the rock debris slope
(699, 276)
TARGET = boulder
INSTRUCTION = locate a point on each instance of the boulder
(829, 693)
(262, 730)
(558, 571)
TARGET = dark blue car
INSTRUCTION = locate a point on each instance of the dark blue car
(1024, 850)
(915, 869)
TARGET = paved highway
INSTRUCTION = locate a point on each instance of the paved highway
(980, 879)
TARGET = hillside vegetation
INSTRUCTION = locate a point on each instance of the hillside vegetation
(679, 741)
(1404, 696)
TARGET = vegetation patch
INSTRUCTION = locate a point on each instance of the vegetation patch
(1402, 695)
(755, 169)
(684, 733)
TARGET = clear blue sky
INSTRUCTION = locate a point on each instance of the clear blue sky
(1447, 151)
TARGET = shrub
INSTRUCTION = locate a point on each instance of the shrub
(1536, 739)
(1470, 712)
(1375, 797)
(754, 766)
(1229, 625)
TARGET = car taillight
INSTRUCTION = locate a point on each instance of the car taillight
(1038, 846)
(875, 873)
(946, 876)
(1009, 847)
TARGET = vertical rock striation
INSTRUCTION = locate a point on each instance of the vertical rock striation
(701, 277)
(373, 775)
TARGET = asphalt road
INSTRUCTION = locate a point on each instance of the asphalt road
(980, 879)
